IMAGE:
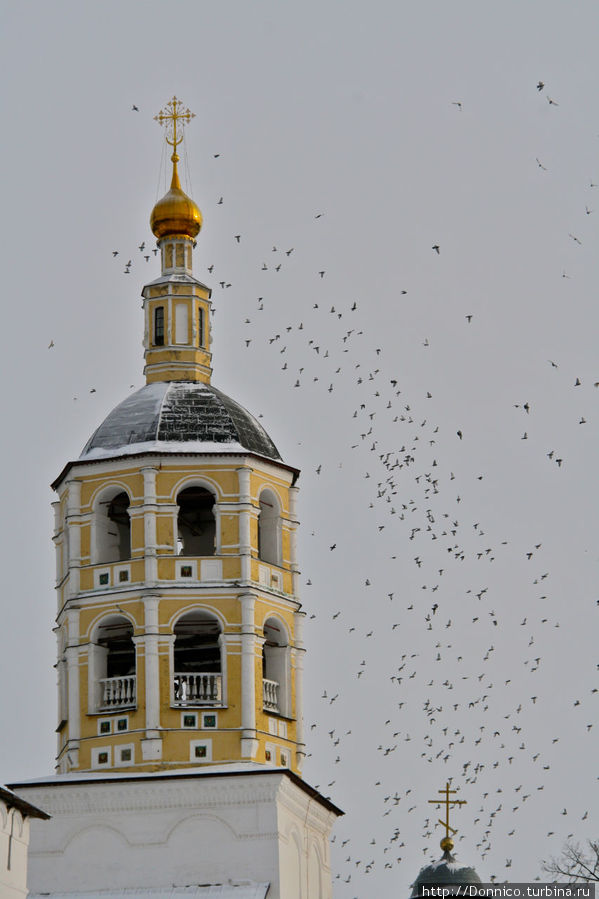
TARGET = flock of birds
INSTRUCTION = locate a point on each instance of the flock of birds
(439, 675)
(472, 702)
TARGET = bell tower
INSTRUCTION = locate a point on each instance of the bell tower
(179, 632)
(179, 625)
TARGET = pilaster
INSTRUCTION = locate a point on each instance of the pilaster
(72, 653)
(245, 506)
(74, 535)
(152, 674)
(249, 742)
(293, 524)
(150, 509)
(299, 618)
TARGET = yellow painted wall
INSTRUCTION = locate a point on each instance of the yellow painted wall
(177, 597)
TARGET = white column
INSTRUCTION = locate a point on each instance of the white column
(152, 674)
(245, 508)
(146, 337)
(59, 543)
(74, 535)
(299, 618)
(169, 316)
(249, 743)
(293, 524)
(224, 667)
(72, 654)
(217, 512)
(194, 321)
(150, 509)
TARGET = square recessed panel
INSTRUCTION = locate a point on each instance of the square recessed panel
(103, 579)
(200, 750)
(126, 755)
(122, 724)
(190, 720)
(186, 571)
(270, 753)
(123, 576)
(104, 727)
(208, 720)
(103, 758)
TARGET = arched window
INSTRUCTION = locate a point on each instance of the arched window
(275, 669)
(269, 528)
(197, 675)
(196, 527)
(113, 529)
(159, 326)
(113, 664)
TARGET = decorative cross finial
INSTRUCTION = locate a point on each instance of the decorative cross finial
(172, 113)
(447, 842)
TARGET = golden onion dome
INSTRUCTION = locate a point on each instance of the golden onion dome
(176, 214)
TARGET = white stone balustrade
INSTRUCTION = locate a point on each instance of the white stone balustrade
(197, 689)
(118, 692)
(270, 695)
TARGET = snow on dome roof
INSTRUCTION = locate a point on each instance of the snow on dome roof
(178, 416)
(444, 872)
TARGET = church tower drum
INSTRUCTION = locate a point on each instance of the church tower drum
(179, 625)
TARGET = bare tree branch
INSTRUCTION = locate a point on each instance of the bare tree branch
(576, 863)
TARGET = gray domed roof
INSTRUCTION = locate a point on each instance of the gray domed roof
(445, 872)
(176, 417)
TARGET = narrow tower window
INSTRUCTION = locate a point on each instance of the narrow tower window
(159, 326)
(201, 326)
(196, 527)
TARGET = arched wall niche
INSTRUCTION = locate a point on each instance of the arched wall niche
(269, 527)
(196, 521)
(112, 664)
(111, 526)
(276, 667)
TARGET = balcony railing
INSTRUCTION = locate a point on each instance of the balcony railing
(197, 689)
(270, 695)
(118, 692)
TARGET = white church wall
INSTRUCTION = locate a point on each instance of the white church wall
(14, 839)
(15, 816)
(304, 858)
(165, 830)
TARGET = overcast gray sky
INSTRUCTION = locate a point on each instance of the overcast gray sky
(404, 126)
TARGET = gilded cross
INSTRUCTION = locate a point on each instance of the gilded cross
(447, 802)
(174, 112)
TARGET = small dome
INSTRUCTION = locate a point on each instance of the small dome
(445, 872)
(176, 215)
(178, 417)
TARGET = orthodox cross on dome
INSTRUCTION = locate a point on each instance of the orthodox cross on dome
(174, 112)
(447, 842)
